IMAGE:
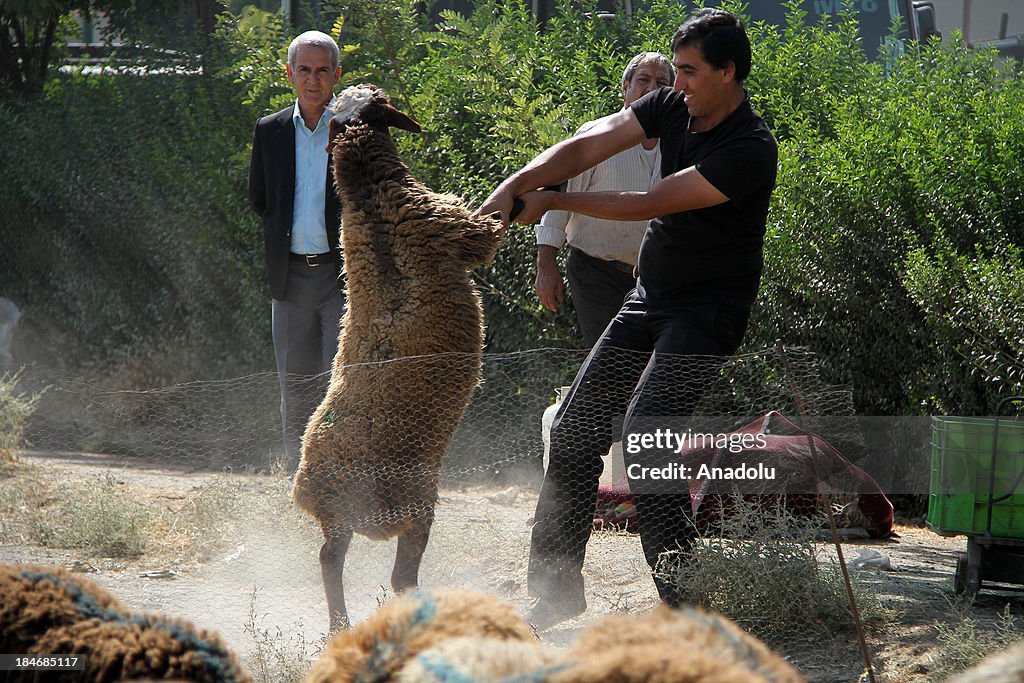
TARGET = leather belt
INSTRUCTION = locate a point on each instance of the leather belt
(314, 260)
(620, 266)
(623, 267)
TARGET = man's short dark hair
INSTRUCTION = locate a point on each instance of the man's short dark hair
(721, 36)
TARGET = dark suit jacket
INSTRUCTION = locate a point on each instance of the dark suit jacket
(272, 194)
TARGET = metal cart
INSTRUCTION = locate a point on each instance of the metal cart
(975, 490)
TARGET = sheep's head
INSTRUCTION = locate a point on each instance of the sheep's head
(369, 105)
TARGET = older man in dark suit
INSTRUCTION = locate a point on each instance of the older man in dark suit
(291, 187)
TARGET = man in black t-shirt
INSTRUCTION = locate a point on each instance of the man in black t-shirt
(699, 270)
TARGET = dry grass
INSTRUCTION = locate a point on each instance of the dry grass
(963, 641)
(196, 527)
(102, 517)
(107, 517)
(277, 657)
(762, 568)
(768, 570)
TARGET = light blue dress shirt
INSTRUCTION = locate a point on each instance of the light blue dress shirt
(309, 233)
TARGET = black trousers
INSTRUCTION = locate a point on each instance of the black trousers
(650, 362)
(306, 325)
(598, 289)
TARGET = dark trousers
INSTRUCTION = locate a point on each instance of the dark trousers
(650, 362)
(598, 289)
(306, 325)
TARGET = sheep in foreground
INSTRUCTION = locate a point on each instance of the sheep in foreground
(672, 646)
(484, 660)
(1005, 666)
(50, 611)
(410, 350)
(379, 648)
(460, 636)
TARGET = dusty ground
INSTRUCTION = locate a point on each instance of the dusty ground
(258, 582)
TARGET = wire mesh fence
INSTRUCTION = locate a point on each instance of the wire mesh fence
(190, 480)
(235, 423)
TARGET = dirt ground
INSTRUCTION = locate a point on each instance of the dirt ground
(259, 584)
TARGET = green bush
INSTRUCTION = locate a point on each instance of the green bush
(106, 520)
(866, 189)
(876, 159)
(15, 410)
(972, 303)
(127, 237)
(98, 514)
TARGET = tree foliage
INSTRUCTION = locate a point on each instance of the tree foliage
(126, 235)
(28, 33)
(33, 32)
(889, 184)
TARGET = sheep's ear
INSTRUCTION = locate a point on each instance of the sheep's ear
(397, 119)
(333, 131)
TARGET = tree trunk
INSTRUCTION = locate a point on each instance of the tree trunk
(45, 52)
(25, 52)
(9, 72)
(206, 22)
(206, 13)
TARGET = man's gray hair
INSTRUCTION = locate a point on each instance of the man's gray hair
(315, 39)
(655, 58)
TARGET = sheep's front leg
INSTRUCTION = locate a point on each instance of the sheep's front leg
(411, 544)
(332, 565)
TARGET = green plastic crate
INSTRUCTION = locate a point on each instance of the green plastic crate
(961, 468)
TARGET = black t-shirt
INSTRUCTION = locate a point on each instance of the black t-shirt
(711, 255)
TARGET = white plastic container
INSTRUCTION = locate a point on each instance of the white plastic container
(9, 315)
(612, 460)
(547, 420)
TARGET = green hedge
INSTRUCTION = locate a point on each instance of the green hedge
(896, 192)
(878, 157)
(127, 240)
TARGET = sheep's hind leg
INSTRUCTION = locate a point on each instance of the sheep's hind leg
(332, 566)
(411, 544)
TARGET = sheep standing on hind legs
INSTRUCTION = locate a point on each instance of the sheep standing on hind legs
(410, 350)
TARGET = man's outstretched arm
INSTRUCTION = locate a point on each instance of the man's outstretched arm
(682, 191)
(568, 158)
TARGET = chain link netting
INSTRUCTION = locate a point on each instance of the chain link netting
(218, 448)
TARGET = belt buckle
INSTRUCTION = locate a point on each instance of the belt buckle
(311, 260)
